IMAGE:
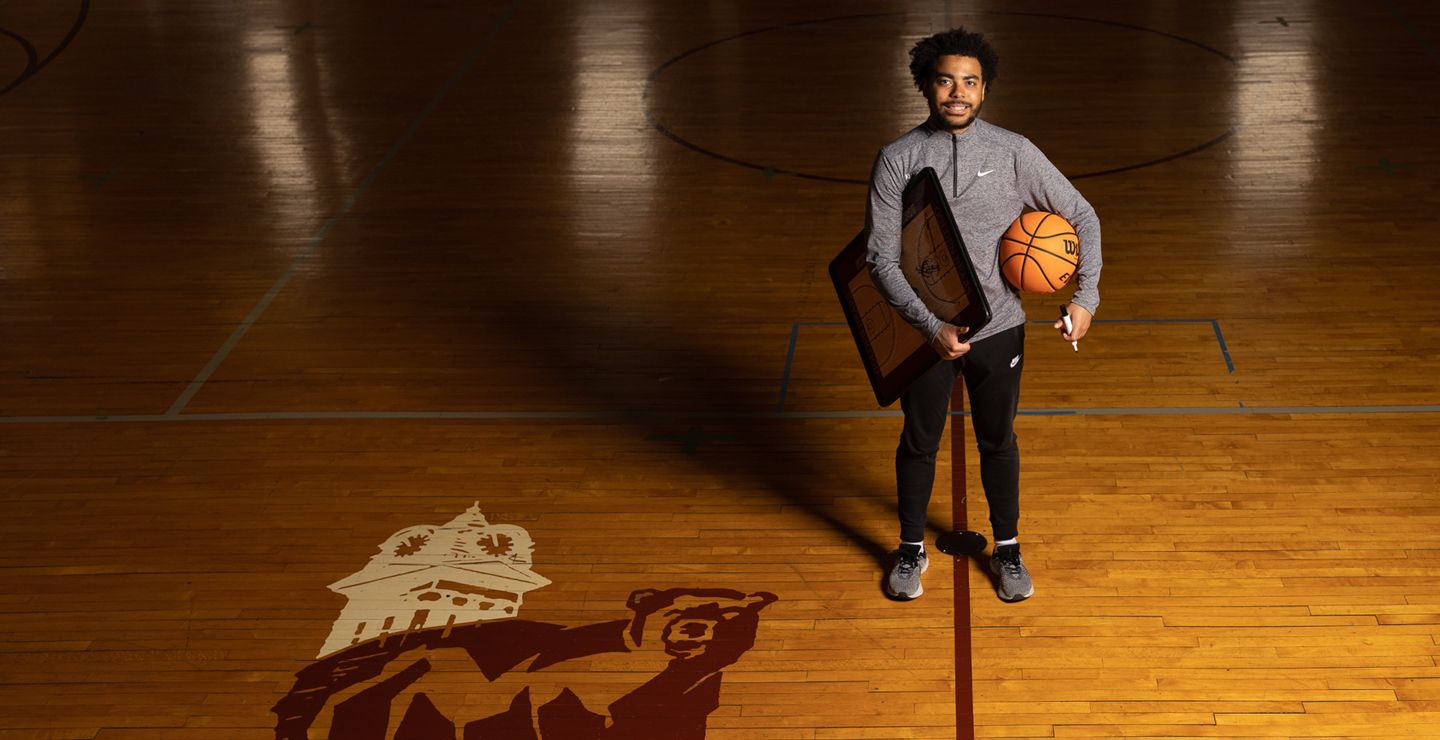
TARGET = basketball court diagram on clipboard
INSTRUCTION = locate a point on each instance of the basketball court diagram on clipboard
(928, 266)
(891, 339)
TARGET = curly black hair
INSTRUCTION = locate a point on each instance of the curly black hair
(958, 42)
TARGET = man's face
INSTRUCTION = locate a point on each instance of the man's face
(956, 92)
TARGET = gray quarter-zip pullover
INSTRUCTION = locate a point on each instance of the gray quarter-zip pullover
(989, 175)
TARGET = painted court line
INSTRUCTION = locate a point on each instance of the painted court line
(1219, 338)
(790, 356)
(1429, 50)
(235, 337)
(621, 415)
(795, 336)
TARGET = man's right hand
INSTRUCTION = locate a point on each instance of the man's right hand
(947, 342)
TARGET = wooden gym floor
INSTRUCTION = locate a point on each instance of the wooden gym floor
(291, 285)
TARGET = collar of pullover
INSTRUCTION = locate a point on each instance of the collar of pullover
(934, 131)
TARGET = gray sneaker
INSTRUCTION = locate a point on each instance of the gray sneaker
(902, 579)
(1015, 582)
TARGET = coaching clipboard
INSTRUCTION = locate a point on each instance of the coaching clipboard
(937, 266)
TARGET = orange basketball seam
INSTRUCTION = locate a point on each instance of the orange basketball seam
(1036, 233)
(1040, 223)
(1044, 276)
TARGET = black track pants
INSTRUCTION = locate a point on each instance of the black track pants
(992, 378)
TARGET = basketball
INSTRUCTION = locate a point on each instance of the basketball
(1039, 252)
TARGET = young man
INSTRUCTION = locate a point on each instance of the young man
(989, 175)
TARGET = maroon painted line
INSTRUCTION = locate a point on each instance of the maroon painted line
(964, 687)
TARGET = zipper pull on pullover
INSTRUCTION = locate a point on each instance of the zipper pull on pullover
(954, 164)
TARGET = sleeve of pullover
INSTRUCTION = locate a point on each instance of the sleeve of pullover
(882, 225)
(1045, 189)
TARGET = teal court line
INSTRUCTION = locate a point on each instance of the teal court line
(1390, 169)
(778, 413)
(113, 174)
(254, 316)
(759, 415)
(1429, 50)
(790, 356)
(1219, 338)
(795, 335)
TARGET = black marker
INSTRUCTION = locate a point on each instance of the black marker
(1069, 327)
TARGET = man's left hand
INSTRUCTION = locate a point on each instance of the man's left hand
(1079, 318)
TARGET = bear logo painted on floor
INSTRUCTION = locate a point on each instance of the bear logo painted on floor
(487, 674)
